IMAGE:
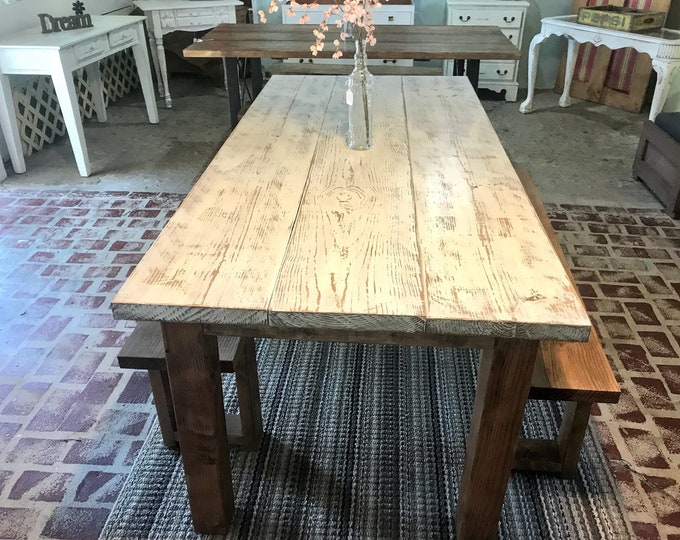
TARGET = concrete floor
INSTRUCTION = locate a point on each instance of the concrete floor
(580, 155)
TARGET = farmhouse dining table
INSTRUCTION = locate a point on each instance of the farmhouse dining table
(426, 239)
(468, 44)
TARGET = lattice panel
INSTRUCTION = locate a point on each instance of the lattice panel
(119, 75)
(38, 114)
(37, 109)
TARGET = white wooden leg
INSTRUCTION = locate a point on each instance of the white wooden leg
(3, 172)
(94, 81)
(68, 101)
(10, 128)
(527, 104)
(164, 70)
(665, 72)
(144, 71)
(154, 54)
(572, 50)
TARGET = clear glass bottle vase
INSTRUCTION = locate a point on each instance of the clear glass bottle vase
(359, 98)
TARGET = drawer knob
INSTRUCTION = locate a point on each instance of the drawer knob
(501, 73)
(464, 19)
(390, 18)
(508, 19)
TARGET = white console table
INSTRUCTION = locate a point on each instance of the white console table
(662, 46)
(166, 16)
(59, 54)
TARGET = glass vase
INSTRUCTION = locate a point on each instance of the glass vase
(359, 97)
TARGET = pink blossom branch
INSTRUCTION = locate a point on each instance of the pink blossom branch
(354, 12)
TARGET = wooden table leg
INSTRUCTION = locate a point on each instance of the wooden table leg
(196, 384)
(233, 90)
(472, 72)
(502, 390)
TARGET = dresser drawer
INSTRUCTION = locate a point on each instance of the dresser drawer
(123, 36)
(383, 15)
(513, 34)
(201, 16)
(474, 16)
(91, 47)
(497, 71)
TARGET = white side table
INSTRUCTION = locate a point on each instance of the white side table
(166, 16)
(59, 54)
(662, 46)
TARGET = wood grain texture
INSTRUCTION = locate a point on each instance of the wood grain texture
(394, 42)
(286, 68)
(502, 390)
(487, 262)
(358, 219)
(564, 370)
(196, 386)
(217, 259)
(288, 228)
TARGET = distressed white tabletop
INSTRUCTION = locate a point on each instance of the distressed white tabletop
(429, 231)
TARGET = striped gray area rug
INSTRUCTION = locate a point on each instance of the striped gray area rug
(366, 441)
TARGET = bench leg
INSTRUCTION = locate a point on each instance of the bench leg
(572, 431)
(164, 407)
(248, 390)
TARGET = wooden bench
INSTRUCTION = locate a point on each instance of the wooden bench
(143, 349)
(306, 68)
(577, 373)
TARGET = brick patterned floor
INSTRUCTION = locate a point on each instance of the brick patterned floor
(71, 422)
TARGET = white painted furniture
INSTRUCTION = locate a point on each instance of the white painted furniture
(392, 12)
(509, 16)
(166, 16)
(30, 52)
(662, 46)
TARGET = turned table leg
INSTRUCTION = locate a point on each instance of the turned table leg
(527, 104)
(572, 50)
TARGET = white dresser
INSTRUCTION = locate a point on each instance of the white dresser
(392, 12)
(509, 16)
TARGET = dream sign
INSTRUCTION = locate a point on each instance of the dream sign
(51, 24)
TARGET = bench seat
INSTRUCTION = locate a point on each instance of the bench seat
(306, 68)
(144, 349)
(576, 373)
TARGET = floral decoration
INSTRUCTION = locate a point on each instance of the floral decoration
(355, 21)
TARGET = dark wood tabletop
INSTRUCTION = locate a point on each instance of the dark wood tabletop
(417, 42)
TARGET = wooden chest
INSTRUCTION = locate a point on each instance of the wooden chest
(621, 18)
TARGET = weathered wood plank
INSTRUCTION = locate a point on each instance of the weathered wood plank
(337, 68)
(217, 259)
(394, 42)
(357, 218)
(489, 266)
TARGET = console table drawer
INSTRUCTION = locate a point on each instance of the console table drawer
(91, 47)
(122, 36)
(171, 18)
(502, 18)
(497, 71)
